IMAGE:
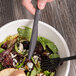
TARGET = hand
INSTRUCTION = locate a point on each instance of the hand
(28, 5)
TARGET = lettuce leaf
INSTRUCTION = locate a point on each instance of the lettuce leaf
(34, 72)
(8, 39)
(53, 56)
(41, 40)
(47, 73)
(52, 74)
(21, 64)
(25, 33)
(52, 46)
(45, 42)
(1, 44)
(38, 67)
(28, 73)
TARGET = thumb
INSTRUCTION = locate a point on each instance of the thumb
(41, 4)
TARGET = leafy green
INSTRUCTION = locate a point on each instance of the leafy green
(45, 42)
(34, 72)
(1, 44)
(19, 66)
(52, 46)
(38, 64)
(1, 50)
(38, 70)
(42, 41)
(47, 73)
(25, 33)
(28, 73)
(8, 38)
(38, 67)
(53, 56)
(1, 67)
(52, 74)
(16, 48)
(20, 52)
(33, 60)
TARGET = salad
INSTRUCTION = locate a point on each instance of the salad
(14, 52)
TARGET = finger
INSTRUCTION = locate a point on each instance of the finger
(50, 0)
(28, 5)
(41, 4)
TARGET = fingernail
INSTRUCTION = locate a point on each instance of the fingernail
(41, 6)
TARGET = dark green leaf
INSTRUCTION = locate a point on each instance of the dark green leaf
(42, 42)
(38, 67)
(1, 44)
(28, 73)
(47, 73)
(34, 72)
(19, 66)
(53, 56)
(52, 46)
(45, 42)
(52, 74)
(25, 33)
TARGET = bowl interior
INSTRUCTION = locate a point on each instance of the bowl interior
(46, 31)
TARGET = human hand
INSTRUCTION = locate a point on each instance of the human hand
(28, 5)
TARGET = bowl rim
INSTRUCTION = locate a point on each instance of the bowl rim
(49, 26)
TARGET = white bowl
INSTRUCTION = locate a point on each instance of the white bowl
(46, 31)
